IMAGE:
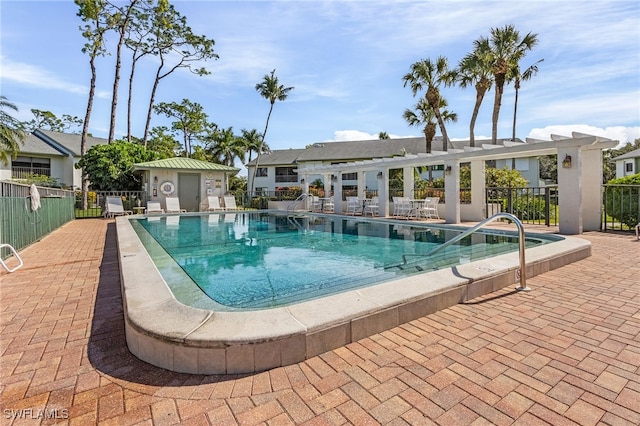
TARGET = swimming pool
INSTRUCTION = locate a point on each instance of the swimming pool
(264, 260)
(218, 339)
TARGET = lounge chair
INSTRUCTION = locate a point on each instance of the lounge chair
(154, 207)
(114, 208)
(371, 206)
(316, 205)
(173, 205)
(213, 204)
(230, 203)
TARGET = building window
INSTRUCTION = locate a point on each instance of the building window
(350, 176)
(22, 167)
(628, 167)
(286, 174)
(262, 191)
(262, 172)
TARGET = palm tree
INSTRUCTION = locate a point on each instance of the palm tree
(425, 115)
(383, 135)
(252, 142)
(273, 91)
(518, 77)
(507, 49)
(475, 69)
(11, 132)
(432, 75)
(227, 147)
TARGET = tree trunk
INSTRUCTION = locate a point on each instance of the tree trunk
(130, 96)
(476, 110)
(496, 109)
(151, 100)
(85, 131)
(255, 169)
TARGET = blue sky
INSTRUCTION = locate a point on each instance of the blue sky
(346, 60)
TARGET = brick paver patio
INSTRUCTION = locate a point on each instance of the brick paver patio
(568, 352)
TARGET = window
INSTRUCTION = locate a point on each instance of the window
(628, 167)
(262, 172)
(286, 174)
(21, 167)
(350, 176)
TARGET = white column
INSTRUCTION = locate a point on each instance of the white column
(570, 191)
(361, 185)
(305, 190)
(326, 179)
(478, 192)
(452, 191)
(408, 181)
(383, 192)
(591, 161)
(337, 193)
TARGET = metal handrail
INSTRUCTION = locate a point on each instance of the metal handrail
(514, 219)
(291, 207)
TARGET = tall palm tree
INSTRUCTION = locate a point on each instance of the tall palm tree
(270, 89)
(475, 69)
(11, 132)
(518, 77)
(383, 135)
(430, 74)
(507, 49)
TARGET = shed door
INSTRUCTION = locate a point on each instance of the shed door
(189, 191)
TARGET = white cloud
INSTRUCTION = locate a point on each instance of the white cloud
(356, 135)
(34, 76)
(620, 133)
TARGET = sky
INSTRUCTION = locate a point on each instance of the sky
(345, 61)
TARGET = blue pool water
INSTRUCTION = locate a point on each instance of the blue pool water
(265, 259)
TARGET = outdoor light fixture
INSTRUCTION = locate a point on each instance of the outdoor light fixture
(155, 179)
(566, 163)
(447, 170)
(379, 175)
(334, 178)
(302, 180)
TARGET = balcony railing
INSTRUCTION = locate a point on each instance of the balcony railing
(25, 172)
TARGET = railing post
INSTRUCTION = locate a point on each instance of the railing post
(547, 206)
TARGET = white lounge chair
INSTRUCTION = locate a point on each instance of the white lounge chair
(114, 208)
(154, 207)
(213, 204)
(315, 204)
(371, 206)
(328, 205)
(230, 203)
(173, 205)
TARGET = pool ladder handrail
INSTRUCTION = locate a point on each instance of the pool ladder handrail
(292, 206)
(523, 267)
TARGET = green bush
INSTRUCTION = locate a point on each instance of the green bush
(622, 202)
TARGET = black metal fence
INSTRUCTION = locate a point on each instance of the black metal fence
(535, 205)
(96, 202)
(621, 207)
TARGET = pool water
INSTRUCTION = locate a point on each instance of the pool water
(265, 259)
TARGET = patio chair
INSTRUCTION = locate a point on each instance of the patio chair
(429, 208)
(316, 205)
(328, 205)
(114, 208)
(154, 207)
(213, 204)
(401, 207)
(230, 203)
(371, 207)
(173, 205)
(353, 205)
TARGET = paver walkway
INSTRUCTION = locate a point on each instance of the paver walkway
(566, 353)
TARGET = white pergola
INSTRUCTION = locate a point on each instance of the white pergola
(580, 197)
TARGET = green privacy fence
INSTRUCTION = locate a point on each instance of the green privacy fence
(20, 226)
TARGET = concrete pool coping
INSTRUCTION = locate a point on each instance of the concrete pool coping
(164, 332)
